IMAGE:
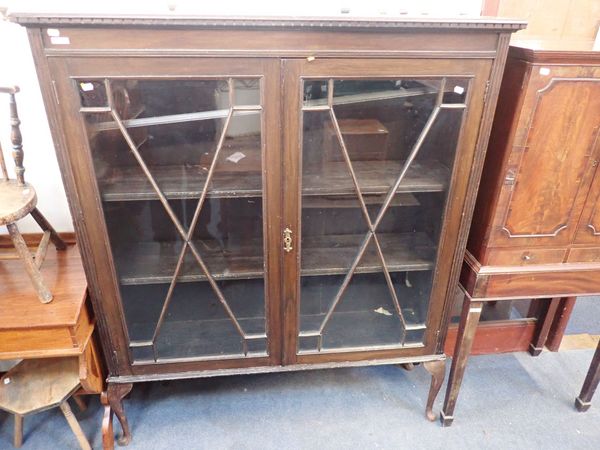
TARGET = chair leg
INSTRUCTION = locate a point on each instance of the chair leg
(45, 225)
(44, 294)
(83, 442)
(18, 436)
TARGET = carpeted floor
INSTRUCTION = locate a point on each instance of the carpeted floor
(585, 317)
(510, 401)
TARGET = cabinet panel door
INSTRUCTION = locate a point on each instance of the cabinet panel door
(549, 179)
(182, 173)
(371, 149)
(588, 231)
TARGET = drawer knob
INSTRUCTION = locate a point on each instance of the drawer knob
(526, 257)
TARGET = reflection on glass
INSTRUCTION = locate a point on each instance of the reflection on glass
(376, 162)
(178, 164)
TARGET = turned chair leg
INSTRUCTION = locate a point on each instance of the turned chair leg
(437, 369)
(469, 318)
(74, 424)
(584, 401)
(45, 226)
(31, 267)
(18, 436)
(115, 393)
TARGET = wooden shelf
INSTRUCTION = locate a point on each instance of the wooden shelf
(333, 255)
(375, 177)
(187, 182)
(154, 262)
(348, 99)
(190, 338)
(351, 201)
(359, 329)
(137, 122)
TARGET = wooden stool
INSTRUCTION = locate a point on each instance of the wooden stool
(17, 199)
(35, 385)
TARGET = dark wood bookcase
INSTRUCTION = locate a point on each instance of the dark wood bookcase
(256, 195)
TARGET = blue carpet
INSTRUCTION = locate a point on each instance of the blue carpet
(585, 317)
(507, 401)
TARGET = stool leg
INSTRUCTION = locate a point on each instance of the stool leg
(83, 442)
(44, 294)
(45, 225)
(471, 311)
(18, 437)
(81, 403)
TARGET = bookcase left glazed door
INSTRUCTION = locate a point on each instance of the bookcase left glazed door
(183, 165)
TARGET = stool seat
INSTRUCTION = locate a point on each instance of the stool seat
(35, 385)
(15, 201)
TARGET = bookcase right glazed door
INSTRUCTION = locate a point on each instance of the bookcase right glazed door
(379, 153)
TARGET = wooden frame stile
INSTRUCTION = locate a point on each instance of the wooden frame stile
(490, 101)
(290, 287)
(57, 128)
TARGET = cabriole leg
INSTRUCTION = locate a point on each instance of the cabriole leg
(108, 436)
(469, 318)
(584, 401)
(115, 393)
(437, 369)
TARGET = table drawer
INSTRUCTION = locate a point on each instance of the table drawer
(525, 257)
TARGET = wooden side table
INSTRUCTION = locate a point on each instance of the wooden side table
(63, 328)
(482, 284)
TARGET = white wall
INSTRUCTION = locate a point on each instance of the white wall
(41, 168)
(16, 67)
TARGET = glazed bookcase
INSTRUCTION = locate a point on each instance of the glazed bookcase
(257, 195)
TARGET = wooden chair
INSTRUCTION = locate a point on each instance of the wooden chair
(17, 199)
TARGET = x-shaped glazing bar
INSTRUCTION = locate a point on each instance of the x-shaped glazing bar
(185, 236)
(371, 233)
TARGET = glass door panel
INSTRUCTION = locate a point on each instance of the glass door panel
(377, 156)
(179, 169)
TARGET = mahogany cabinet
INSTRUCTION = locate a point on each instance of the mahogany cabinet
(535, 232)
(540, 185)
(256, 195)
